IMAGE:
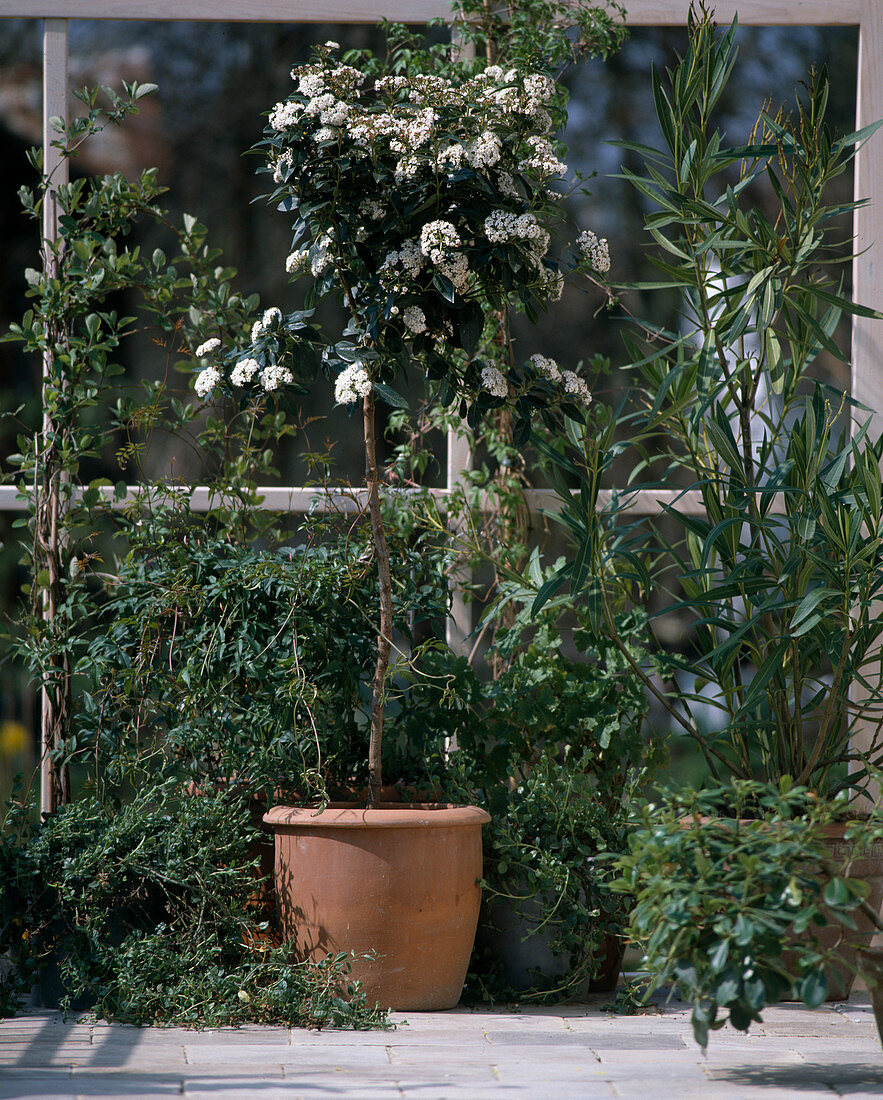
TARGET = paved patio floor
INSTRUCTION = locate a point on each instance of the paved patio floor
(574, 1051)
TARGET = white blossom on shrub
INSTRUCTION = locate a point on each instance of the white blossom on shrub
(208, 347)
(244, 371)
(438, 240)
(546, 367)
(206, 381)
(351, 384)
(494, 382)
(542, 158)
(298, 262)
(414, 319)
(576, 387)
(272, 377)
(596, 251)
(267, 323)
(416, 198)
(285, 115)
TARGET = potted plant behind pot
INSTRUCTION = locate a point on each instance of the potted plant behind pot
(416, 191)
(558, 750)
(780, 567)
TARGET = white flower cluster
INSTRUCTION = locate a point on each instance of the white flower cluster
(323, 257)
(451, 159)
(438, 241)
(330, 110)
(390, 84)
(273, 376)
(407, 136)
(538, 90)
(403, 132)
(208, 347)
(456, 268)
(507, 99)
(494, 382)
(503, 225)
(414, 319)
(409, 168)
(506, 185)
(546, 367)
(485, 151)
(576, 387)
(297, 262)
(282, 168)
(206, 381)
(595, 250)
(244, 371)
(285, 115)
(372, 209)
(272, 317)
(542, 158)
(428, 86)
(351, 384)
(310, 80)
(552, 283)
(409, 258)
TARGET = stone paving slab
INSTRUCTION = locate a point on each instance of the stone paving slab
(567, 1053)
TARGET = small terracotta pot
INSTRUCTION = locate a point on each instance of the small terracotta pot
(610, 965)
(870, 965)
(399, 881)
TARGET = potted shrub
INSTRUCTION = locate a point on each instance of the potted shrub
(416, 191)
(732, 910)
(781, 566)
(558, 751)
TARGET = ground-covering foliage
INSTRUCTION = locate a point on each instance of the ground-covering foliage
(148, 911)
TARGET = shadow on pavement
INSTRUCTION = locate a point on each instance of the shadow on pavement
(843, 1078)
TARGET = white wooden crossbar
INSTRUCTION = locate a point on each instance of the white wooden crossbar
(203, 498)
(648, 13)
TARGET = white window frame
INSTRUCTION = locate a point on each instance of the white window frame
(867, 15)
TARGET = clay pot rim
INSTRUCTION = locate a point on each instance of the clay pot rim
(387, 815)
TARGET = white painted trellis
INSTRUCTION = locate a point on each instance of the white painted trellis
(867, 15)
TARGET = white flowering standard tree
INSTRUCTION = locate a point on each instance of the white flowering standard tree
(421, 193)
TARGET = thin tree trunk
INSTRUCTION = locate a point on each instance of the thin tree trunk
(55, 692)
(381, 551)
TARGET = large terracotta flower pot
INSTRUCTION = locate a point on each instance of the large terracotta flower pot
(399, 881)
(867, 865)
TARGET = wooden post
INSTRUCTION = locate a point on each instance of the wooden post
(459, 624)
(867, 281)
(48, 509)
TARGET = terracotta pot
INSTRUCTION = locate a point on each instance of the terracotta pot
(866, 865)
(400, 881)
(610, 965)
(870, 964)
